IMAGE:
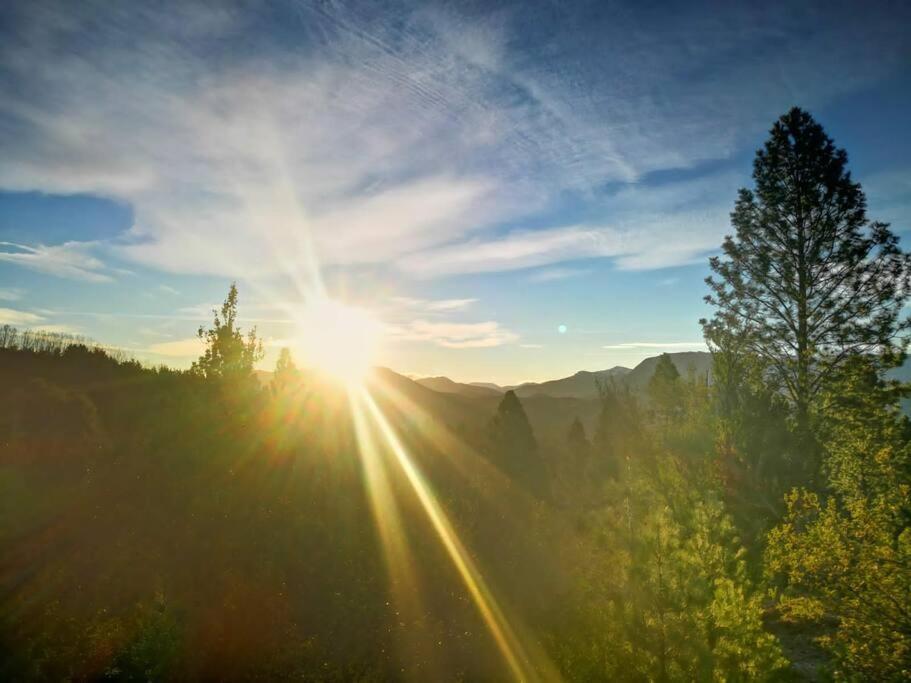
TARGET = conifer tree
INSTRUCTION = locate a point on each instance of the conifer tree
(808, 281)
(663, 387)
(514, 446)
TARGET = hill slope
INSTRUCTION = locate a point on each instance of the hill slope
(583, 384)
(444, 385)
(698, 361)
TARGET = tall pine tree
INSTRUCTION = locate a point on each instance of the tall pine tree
(808, 281)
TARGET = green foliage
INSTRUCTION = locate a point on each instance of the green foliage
(663, 390)
(664, 595)
(845, 559)
(574, 478)
(620, 431)
(755, 449)
(228, 357)
(152, 648)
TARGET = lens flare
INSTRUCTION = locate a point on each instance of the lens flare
(496, 622)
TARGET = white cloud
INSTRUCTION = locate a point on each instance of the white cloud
(667, 346)
(552, 274)
(402, 140)
(198, 311)
(10, 294)
(454, 335)
(531, 346)
(431, 305)
(651, 228)
(450, 304)
(72, 260)
(9, 316)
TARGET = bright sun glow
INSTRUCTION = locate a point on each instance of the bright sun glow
(339, 340)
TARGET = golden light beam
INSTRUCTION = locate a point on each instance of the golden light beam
(403, 579)
(496, 622)
(506, 499)
(383, 504)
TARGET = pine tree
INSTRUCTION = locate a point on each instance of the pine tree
(663, 388)
(515, 449)
(808, 280)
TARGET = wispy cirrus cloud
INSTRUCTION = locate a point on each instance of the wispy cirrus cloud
(664, 346)
(453, 335)
(396, 133)
(432, 305)
(36, 321)
(650, 228)
(10, 316)
(74, 260)
(552, 274)
(10, 294)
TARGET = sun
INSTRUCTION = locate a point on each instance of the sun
(340, 340)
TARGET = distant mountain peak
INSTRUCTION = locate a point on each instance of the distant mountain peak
(583, 384)
(445, 385)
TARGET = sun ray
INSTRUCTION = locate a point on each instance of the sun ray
(506, 498)
(403, 578)
(505, 638)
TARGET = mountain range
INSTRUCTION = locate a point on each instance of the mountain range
(582, 385)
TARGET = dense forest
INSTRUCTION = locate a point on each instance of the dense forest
(747, 522)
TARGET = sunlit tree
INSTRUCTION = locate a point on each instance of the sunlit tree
(843, 560)
(229, 355)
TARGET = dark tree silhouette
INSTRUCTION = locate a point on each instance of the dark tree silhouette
(286, 374)
(515, 449)
(807, 281)
(228, 356)
(663, 387)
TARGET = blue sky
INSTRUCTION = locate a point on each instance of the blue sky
(475, 174)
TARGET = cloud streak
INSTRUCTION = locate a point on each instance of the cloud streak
(10, 316)
(664, 346)
(73, 260)
(452, 335)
